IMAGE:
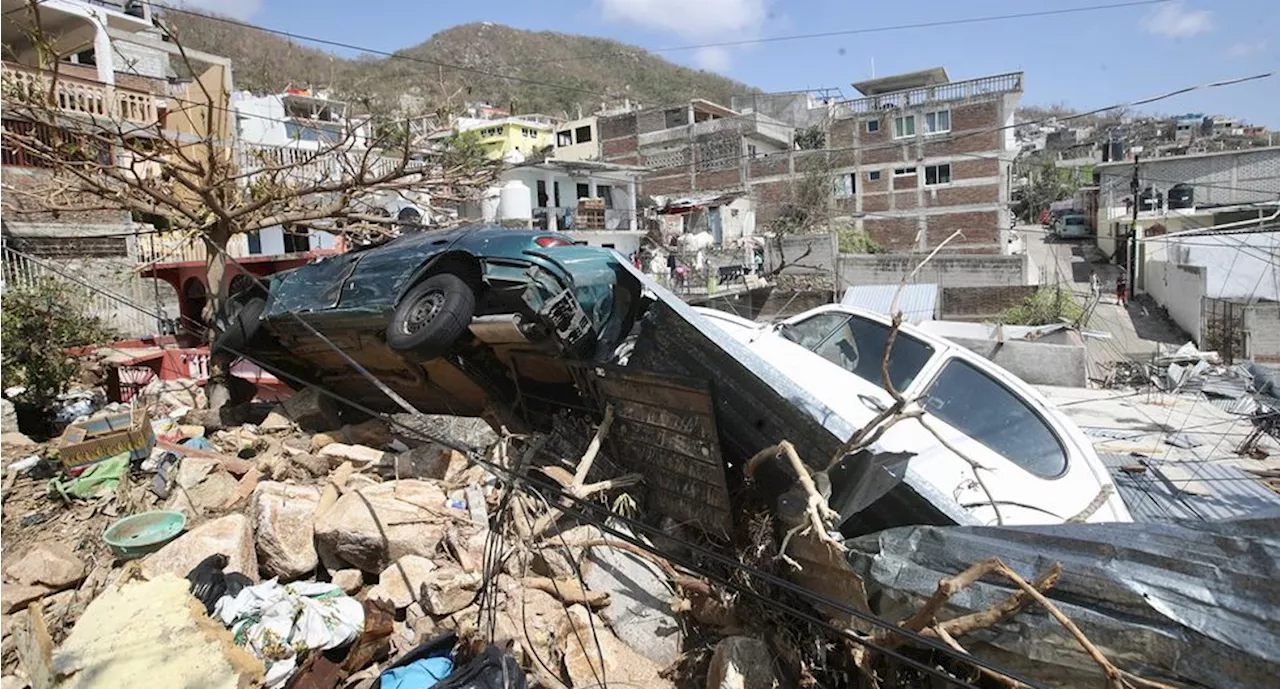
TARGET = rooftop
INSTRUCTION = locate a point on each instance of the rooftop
(902, 82)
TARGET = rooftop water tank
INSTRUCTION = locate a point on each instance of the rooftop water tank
(515, 202)
(1182, 195)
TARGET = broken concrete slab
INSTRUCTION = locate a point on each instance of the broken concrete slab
(429, 461)
(359, 455)
(201, 484)
(370, 527)
(312, 411)
(316, 465)
(448, 590)
(277, 420)
(283, 517)
(583, 658)
(152, 634)
(740, 662)
(639, 607)
(51, 564)
(17, 596)
(402, 581)
(231, 535)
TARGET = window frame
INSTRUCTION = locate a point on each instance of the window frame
(905, 171)
(900, 127)
(1014, 394)
(874, 175)
(845, 185)
(578, 134)
(935, 115)
(844, 319)
(937, 168)
(873, 126)
(564, 138)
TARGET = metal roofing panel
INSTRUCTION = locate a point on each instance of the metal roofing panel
(1154, 497)
(918, 302)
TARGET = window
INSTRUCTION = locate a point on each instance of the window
(676, 117)
(564, 138)
(296, 241)
(541, 190)
(983, 409)
(873, 126)
(583, 134)
(845, 185)
(937, 122)
(904, 126)
(584, 191)
(873, 175)
(904, 171)
(751, 150)
(937, 174)
(255, 243)
(604, 191)
(857, 345)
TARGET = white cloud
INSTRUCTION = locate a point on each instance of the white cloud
(697, 21)
(236, 9)
(1173, 20)
(1247, 49)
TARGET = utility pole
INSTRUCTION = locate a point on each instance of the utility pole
(1131, 243)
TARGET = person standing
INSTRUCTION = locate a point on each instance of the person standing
(1122, 287)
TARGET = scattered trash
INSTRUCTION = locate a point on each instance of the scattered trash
(209, 583)
(282, 623)
(25, 464)
(145, 533)
(97, 479)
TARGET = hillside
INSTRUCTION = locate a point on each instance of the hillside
(584, 68)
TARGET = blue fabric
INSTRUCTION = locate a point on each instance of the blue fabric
(420, 674)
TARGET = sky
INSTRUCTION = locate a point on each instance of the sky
(1084, 60)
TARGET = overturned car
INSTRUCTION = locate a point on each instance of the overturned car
(519, 325)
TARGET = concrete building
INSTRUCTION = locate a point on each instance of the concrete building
(1228, 178)
(299, 119)
(577, 140)
(526, 134)
(921, 156)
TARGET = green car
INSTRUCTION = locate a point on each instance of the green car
(443, 317)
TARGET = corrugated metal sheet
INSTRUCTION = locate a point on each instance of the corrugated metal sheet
(1153, 497)
(917, 302)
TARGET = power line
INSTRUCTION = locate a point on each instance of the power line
(869, 30)
(383, 53)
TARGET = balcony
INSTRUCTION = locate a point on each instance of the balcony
(78, 95)
(953, 91)
(743, 125)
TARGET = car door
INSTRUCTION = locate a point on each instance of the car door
(1034, 475)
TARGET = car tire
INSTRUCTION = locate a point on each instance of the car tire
(432, 316)
(241, 327)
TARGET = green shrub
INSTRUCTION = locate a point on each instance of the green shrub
(1045, 306)
(37, 324)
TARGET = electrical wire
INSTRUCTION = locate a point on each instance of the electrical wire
(550, 487)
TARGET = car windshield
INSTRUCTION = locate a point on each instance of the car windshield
(857, 345)
(1075, 221)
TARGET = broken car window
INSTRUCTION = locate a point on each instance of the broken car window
(857, 345)
(974, 404)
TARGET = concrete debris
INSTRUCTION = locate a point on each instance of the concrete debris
(316, 465)
(359, 455)
(122, 634)
(592, 652)
(277, 420)
(373, 433)
(231, 535)
(639, 609)
(283, 517)
(18, 596)
(448, 590)
(201, 485)
(8, 417)
(14, 441)
(429, 461)
(371, 527)
(49, 564)
(402, 581)
(740, 662)
(351, 580)
(312, 411)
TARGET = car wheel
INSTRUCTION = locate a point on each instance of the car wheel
(241, 327)
(432, 316)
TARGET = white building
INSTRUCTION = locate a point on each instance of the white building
(577, 140)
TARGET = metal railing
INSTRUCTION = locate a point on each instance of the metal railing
(78, 96)
(19, 272)
(956, 90)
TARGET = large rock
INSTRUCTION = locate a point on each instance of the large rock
(582, 656)
(231, 535)
(639, 602)
(431, 461)
(282, 519)
(51, 564)
(359, 455)
(316, 465)
(373, 433)
(401, 583)
(351, 580)
(741, 662)
(372, 526)
(17, 596)
(448, 590)
(201, 485)
(8, 417)
(312, 411)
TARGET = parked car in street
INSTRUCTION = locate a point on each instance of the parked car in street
(1071, 226)
(1039, 467)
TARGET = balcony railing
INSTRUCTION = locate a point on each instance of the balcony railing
(310, 166)
(75, 95)
(956, 90)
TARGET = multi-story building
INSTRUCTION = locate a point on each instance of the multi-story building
(526, 134)
(578, 140)
(921, 156)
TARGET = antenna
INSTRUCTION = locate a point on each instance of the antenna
(873, 66)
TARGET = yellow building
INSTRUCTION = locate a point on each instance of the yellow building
(524, 133)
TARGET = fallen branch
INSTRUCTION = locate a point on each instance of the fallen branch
(955, 645)
(569, 591)
(819, 513)
(948, 587)
(578, 488)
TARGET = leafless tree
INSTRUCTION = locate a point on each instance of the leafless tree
(116, 154)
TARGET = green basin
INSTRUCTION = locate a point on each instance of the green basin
(139, 534)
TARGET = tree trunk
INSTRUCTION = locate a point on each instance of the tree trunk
(218, 388)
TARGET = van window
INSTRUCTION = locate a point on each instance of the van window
(857, 345)
(975, 404)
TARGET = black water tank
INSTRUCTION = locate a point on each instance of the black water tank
(1182, 195)
(1149, 199)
